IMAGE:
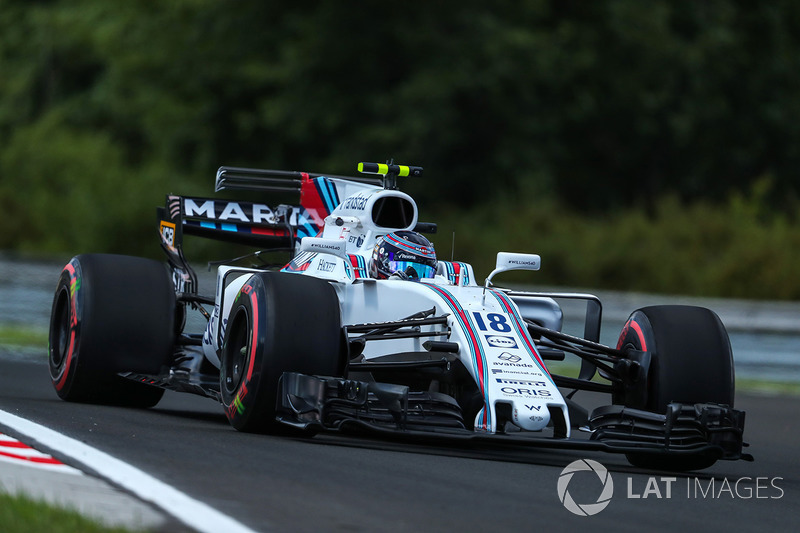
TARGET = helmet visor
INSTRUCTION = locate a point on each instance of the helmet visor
(420, 270)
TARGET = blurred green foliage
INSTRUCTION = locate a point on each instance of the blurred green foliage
(672, 126)
(738, 248)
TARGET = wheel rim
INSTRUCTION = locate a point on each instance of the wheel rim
(236, 352)
(59, 330)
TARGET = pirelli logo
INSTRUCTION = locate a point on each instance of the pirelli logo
(520, 382)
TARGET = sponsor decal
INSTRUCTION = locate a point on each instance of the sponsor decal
(526, 392)
(358, 240)
(501, 341)
(515, 365)
(225, 211)
(168, 234)
(326, 266)
(326, 246)
(180, 279)
(510, 357)
(357, 202)
(516, 262)
(520, 382)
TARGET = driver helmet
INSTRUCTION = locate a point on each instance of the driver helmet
(405, 252)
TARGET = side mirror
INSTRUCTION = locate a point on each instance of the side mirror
(319, 245)
(510, 261)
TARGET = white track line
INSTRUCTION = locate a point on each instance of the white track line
(191, 512)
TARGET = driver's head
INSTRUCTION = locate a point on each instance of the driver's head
(406, 252)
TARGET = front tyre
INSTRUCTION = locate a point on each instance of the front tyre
(690, 362)
(110, 314)
(278, 323)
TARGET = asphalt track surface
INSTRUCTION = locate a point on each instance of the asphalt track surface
(273, 483)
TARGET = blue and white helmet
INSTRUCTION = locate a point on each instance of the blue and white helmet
(406, 252)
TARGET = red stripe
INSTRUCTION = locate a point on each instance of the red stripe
(312, 201)
(523, 332)
(270, 231)
(639, 333)
(13, 444)
(475, 344)
(40, 460)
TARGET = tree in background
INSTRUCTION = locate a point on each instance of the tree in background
(598, 106)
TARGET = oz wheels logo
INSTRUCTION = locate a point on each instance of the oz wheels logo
(590, 508)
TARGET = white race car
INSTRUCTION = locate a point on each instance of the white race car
(366, 329)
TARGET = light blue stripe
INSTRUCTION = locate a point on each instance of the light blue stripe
(322, 186)
(333, 193)
(478, 371)
(522, 334)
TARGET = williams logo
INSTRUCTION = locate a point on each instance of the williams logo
(500, 341)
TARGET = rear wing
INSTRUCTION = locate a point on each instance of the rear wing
(257, 224)
(252, 179)
(252, 223)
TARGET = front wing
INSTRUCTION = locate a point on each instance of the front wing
(329, 404)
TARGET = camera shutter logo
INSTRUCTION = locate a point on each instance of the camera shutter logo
(585, 509)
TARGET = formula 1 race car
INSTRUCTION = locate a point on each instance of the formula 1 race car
(365, 329)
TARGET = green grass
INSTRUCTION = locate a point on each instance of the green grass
(23, 336)
(19, 514)
(757, 386)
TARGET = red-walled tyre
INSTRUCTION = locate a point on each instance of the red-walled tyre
(111, 314)
(691, 362)
(279, 323)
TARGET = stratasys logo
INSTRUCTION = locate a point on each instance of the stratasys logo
(585, 509)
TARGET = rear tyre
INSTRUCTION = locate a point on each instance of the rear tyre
(691, 362)
(278, 323)
(111, 314)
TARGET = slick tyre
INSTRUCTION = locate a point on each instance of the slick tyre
(110, 314)
(691, 362)
(278, 323)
